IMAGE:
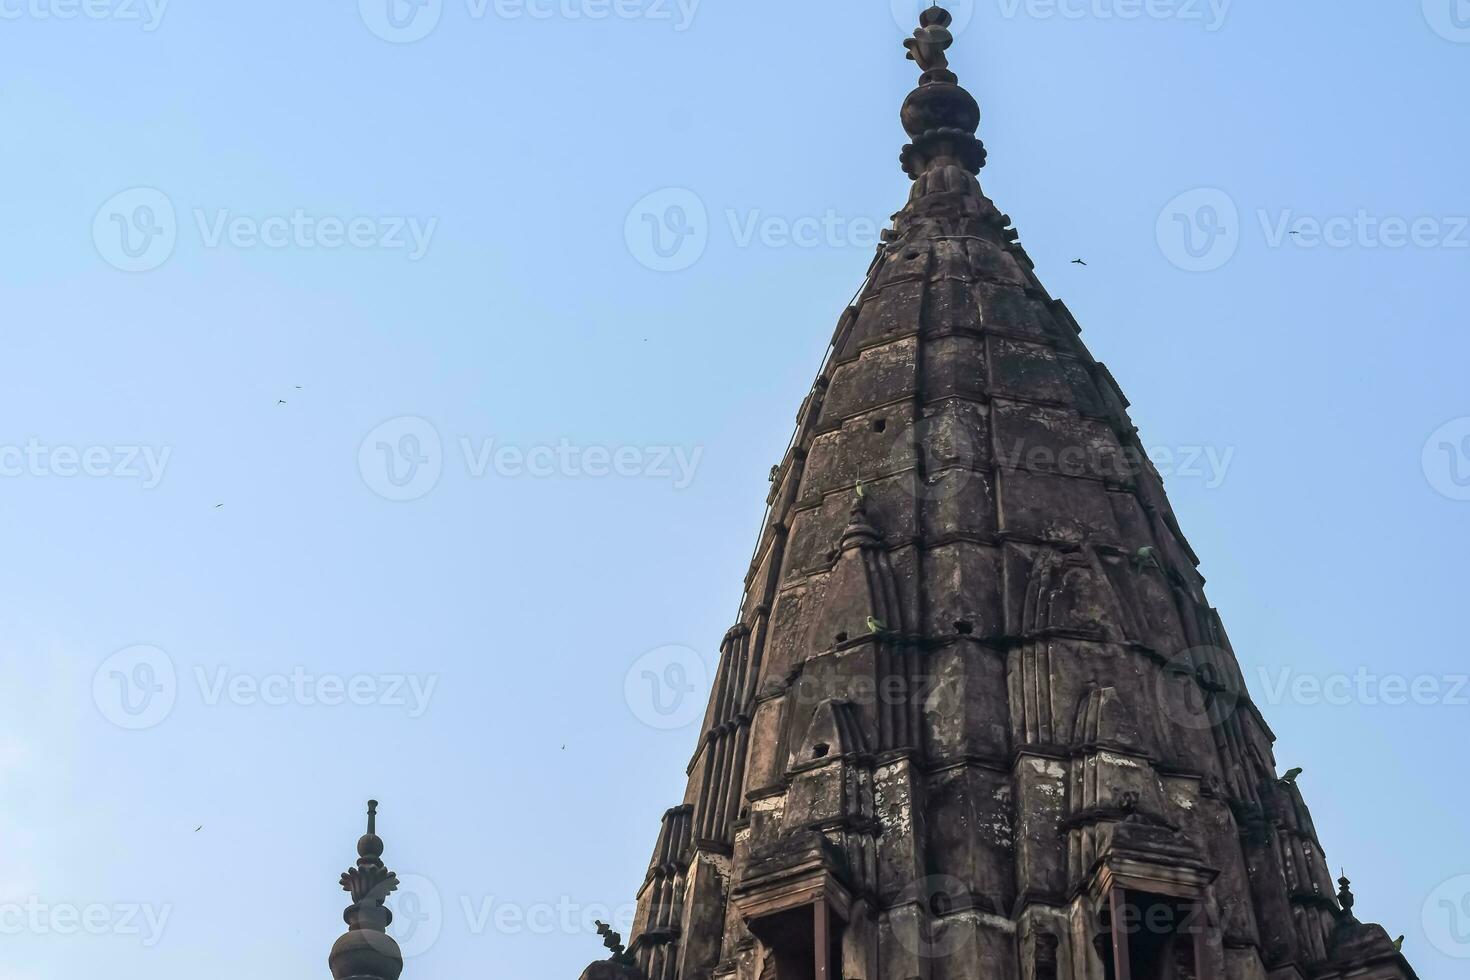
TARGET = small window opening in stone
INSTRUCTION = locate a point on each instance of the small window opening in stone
(841, 637)
(964, 626)
(880, 425)
(820, 750)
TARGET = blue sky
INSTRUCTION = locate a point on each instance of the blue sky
(391, 396)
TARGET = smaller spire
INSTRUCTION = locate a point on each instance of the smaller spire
(366, 951)
(1345, 894)
(613, 941)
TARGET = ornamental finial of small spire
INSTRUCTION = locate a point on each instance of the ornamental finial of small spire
(1345, 893)
(366, 951)
(931, 40)
(940, 117)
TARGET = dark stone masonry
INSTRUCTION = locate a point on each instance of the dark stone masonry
(977, 719)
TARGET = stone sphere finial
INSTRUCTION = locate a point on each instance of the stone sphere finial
(939, 115)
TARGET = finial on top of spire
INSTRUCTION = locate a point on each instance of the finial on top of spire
(1345, 893)
(931, 40)
(939, 115)
(365, 951)
(613, 941)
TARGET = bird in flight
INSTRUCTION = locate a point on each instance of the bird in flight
(280, 401)
(1078, 262)
(218, 506)
(198, 828)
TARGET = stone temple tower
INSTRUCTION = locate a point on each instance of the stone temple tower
(977, 719)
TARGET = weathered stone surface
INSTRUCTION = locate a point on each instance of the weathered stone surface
(976, 712)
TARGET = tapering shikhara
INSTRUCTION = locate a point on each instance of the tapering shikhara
(977, 719)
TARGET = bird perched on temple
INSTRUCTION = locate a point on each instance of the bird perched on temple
(876, 625)
(1146, 558)
(1398, 945)
(1290, 778)
(860, 490)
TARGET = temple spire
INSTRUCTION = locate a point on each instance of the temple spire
(366, 951)
(959, 729)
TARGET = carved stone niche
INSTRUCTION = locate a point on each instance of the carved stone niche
(1151, 890)
(794, 899)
